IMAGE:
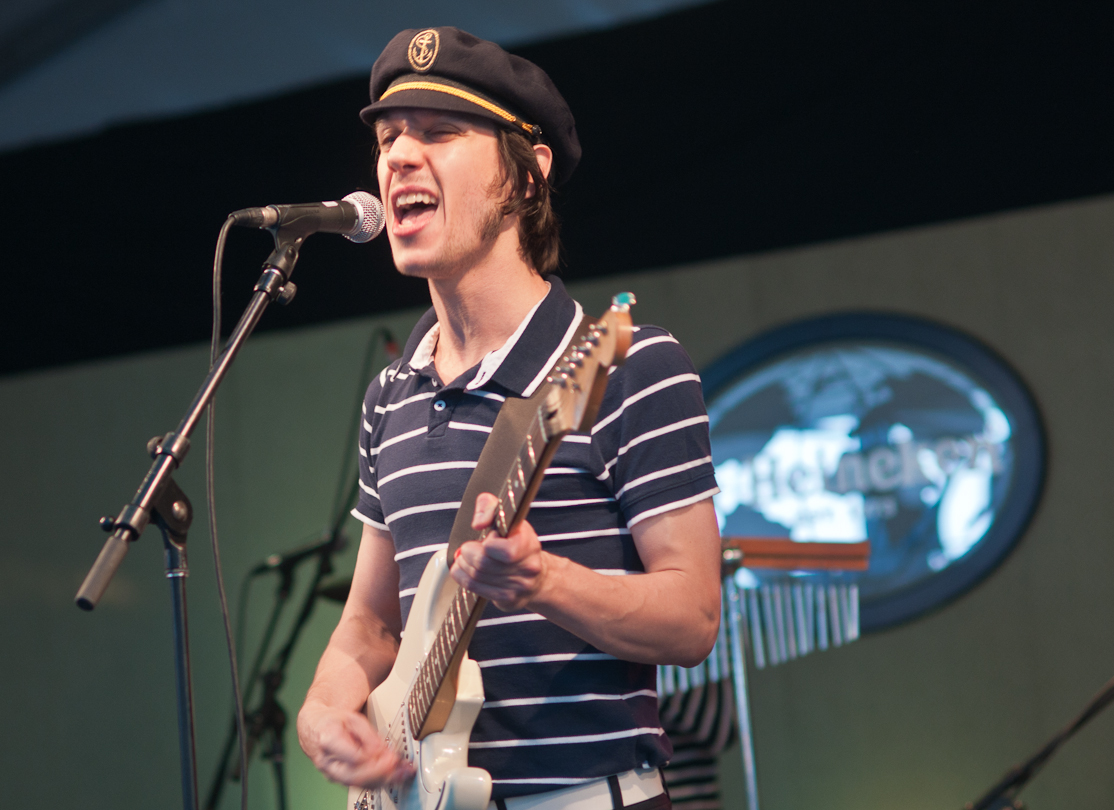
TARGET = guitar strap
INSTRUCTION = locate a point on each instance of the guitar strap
(501, 449)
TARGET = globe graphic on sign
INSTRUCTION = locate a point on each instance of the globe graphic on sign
(857, 440)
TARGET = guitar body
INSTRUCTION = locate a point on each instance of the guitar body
(444, 781)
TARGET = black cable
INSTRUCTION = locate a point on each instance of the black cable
(210, 498)
(241, 615)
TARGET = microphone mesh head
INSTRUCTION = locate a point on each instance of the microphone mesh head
(372, 217)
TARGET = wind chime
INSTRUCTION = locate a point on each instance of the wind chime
(802, 601)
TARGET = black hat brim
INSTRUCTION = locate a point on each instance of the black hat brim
(433, 100)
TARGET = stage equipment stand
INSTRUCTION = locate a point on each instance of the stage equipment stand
(269, 719)
(160, 499)
(779, 621)
(1004, 795)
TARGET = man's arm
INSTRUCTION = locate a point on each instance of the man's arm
(332, 726)
(669, 615)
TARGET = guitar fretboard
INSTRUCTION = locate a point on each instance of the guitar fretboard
(465, 609)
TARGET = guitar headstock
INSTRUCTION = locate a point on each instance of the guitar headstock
(577, 383)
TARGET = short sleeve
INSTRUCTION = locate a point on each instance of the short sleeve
(368, 508)
(652, 430)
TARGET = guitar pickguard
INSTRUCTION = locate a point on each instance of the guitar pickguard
(444, 781)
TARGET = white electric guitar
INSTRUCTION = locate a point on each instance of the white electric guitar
(426, 707)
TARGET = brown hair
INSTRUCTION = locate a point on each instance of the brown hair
(539, 231)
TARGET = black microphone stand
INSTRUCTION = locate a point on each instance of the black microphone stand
(160, 499)
(270, 717)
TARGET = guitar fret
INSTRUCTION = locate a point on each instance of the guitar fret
(442, 665)
(458, 616)
(434, 658)
(539, 417)
(540, 435)
(444, 653)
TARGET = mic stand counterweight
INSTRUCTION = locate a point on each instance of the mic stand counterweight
(160, 499)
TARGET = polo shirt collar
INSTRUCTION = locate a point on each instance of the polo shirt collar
(520, 365)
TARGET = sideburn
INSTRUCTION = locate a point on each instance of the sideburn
(492, 224)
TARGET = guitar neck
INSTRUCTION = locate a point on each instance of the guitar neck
(568, 401)
(431, 696)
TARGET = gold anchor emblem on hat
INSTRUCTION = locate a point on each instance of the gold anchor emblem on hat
(423, 49)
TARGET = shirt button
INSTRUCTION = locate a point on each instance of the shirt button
(439, 405)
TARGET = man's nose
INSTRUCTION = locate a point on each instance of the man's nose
(405, 152)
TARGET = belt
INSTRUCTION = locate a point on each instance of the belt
(632, 786)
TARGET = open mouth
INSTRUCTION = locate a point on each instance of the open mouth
(413, 208)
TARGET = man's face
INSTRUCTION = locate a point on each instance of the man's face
(439, 174)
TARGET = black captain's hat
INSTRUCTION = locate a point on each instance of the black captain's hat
(448, 69)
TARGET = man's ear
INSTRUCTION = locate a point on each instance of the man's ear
(545, 162)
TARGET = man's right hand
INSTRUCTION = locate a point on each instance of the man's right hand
(345, 748)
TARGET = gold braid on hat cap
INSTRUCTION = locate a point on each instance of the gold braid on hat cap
(532, 130)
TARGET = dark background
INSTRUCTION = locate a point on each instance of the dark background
(724, 129)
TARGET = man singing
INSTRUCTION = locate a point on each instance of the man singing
(617, 568)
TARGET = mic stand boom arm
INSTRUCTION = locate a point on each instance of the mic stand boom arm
(159, 497)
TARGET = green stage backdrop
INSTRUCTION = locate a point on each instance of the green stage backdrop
(922, 717)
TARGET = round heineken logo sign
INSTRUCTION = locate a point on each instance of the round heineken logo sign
(880, 428)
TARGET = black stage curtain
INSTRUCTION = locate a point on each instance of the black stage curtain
(723, 129)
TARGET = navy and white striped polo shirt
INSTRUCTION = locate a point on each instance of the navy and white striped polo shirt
(557, 711)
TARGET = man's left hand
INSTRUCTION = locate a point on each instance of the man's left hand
(509, 571)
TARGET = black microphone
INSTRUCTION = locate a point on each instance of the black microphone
(291, 558)
(358, 217)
